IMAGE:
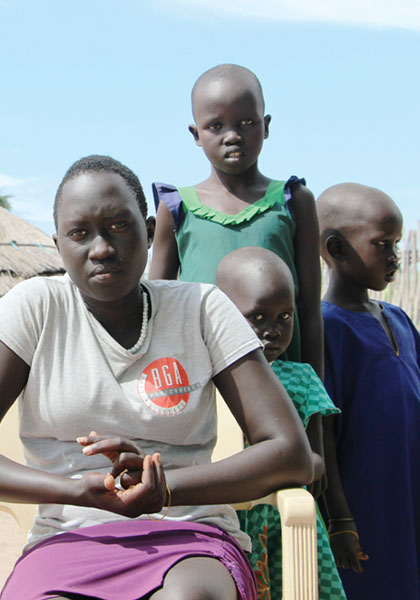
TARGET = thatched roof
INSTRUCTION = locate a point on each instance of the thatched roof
(25, 251)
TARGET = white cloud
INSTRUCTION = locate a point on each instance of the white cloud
(403, 14)
(7, 181)
(31, 199)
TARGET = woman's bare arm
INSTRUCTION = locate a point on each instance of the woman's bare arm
(18, 483)
(279, 456)
(14, 374)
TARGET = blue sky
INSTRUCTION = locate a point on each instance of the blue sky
(94, 76)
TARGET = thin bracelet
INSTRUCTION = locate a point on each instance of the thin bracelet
(168, 489)
(346, 531)
(340, 519)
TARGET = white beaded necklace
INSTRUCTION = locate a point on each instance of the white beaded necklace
(144, 321)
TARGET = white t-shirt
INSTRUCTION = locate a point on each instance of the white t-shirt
(81, 379)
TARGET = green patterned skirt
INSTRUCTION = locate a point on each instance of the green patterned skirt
(262, 524)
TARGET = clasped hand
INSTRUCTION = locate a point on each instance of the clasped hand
(142, 479)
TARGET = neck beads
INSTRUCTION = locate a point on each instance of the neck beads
(144, 322)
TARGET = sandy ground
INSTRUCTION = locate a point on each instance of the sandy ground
(12, 540)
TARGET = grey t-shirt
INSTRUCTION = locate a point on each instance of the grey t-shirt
(81, 379)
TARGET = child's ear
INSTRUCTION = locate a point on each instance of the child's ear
(150, 226)
(335, 247)
(55, 238)
(194, 132)
(267, 120)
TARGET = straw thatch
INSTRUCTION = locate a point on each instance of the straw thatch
(25, 251)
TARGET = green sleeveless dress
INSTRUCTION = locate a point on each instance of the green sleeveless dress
(204, 236)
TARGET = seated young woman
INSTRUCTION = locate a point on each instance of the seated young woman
(116, 381)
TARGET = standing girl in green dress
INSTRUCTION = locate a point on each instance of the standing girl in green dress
(239, 206)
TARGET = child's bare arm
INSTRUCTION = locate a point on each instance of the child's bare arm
(315, 437)
(342, 528)
(308, 269)
(165, 259)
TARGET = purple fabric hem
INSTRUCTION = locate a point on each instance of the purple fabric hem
(122, 560)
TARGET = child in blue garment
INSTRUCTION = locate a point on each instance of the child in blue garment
(261, 285)
(372, 373)
(238, 206)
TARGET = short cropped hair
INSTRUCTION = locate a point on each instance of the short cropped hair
(225, 71)
(97, 163)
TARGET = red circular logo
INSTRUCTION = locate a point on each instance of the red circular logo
(164, 386)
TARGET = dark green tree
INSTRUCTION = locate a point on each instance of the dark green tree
(4, 201)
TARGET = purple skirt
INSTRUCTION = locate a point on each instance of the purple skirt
(123, 560)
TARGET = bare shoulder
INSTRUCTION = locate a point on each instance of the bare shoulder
(303, 207)
(302, 197)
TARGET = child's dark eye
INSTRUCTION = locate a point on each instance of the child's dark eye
(77, 234)
(387, 243)
(247, 122)
(258, 318)
(118, 226)
(215, 126)
(285, 316)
